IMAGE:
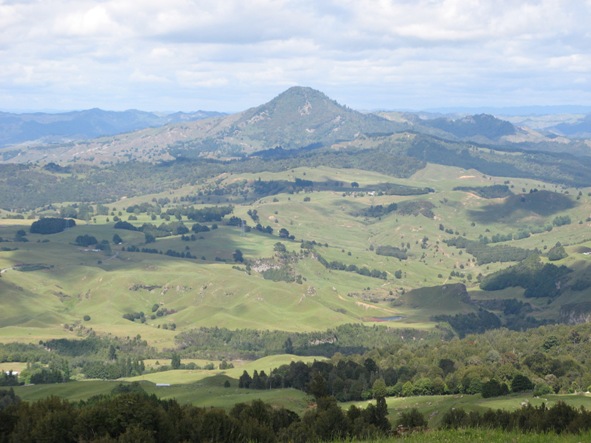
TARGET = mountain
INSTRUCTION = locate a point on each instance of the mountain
(480, 125)
(296, 121)
(514, 111)
(297, 118)
(302, 116)
(83, 125)
(579, 129)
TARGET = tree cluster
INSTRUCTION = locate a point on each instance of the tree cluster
(377, 211)
(538, 279)
(130, 415)
(472, 323)
(493, 191)
(346, 380)
(559, 418)
(340, 266)
(489, 254)
(392, 251)
(51, 225)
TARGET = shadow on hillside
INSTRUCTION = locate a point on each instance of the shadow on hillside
(542, 203)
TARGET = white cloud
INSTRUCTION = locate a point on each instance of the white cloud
(370, 53)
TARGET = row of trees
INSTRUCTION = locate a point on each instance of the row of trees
(549, 359)
(559, 418)
(130, 415)
(340, 266)
(407, 362)
(348, 380)
(489, 254)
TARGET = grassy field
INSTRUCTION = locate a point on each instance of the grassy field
(184, 376)
(484, 435)
(48, 284)
(198, 387)
(208, 392)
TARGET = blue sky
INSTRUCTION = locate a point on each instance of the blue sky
(230, 55)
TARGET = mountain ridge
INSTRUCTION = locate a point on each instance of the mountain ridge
(41, 127)
(298, 118)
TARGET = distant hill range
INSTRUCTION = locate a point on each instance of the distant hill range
(578, 129)
(83, 125)
(300, 119)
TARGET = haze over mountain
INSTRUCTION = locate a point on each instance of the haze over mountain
(81, 125)
(298, 118)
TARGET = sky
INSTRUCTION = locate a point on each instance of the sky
(226, 55)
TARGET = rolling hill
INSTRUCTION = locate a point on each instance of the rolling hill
(44, 128)
(341, 217)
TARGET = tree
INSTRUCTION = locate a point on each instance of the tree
(493, 388)
(379, 388)
(237, 256)
(412, 419)
(288, 346)
(175, 362)
(557, 252)
(86, 240)
(245, 380)
(112, 353)
(117, 240)
(521, 383)
(317, 386)
(149, 237)
(447, 366)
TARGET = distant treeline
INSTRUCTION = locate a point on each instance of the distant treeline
(377, 210)
(365, 362)
(346, 381)
(493, 191)
(559, 418)
(538, 279)
(489, 254)
(392, 251)
(340, 266)
(472, 323)
(273, 187)
(130, 415)
(250, 343)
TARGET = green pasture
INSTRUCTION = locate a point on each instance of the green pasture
(484, 435)
(186, 376)
(209, 392)
(66, 282)
(12, 366)
(204, 388)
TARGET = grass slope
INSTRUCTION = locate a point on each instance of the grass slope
(71, 282)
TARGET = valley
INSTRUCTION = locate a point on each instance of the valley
(300, 230)
(317, 284)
